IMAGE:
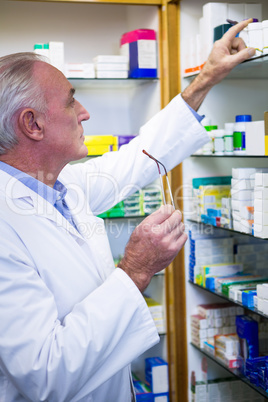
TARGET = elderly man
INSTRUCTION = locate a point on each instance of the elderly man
(70, 322)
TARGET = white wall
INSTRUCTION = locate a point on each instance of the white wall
(86, 30)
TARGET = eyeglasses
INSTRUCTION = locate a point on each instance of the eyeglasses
(161, 180)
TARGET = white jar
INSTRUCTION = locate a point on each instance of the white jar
(228, 138)
(255, 37)
(265, 36)
(218, 141)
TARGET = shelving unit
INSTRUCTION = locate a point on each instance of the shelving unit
(244, 91)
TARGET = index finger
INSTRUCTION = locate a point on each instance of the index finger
(229, 36)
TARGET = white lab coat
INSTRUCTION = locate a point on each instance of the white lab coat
(70, 322)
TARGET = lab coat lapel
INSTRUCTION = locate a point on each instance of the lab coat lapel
(22, 200)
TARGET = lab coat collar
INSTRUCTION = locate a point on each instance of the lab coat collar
(23, 200)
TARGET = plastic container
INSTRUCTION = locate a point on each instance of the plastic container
(255, 37)
(208, 149)
(218, 141)
(228, 138)
(265, 37)
(239, 134)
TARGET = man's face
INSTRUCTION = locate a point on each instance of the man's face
(63, 132)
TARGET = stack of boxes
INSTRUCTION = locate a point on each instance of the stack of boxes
(155, 388)
(242, 196)
(206, 250)
(213, 320)
(261, 205)
(207, 198)
(111, 66)
(141, 203)
(79, 70)
(157, 311)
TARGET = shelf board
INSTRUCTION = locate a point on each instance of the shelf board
(110, 83)
(254, 68)
(229, 230)
(253, 310)
(235, 372)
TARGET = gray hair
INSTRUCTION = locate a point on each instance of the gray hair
(18, 89)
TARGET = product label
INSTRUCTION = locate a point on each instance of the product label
(237, 140)
(147, 53)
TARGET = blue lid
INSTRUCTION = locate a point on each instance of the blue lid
(243, 117)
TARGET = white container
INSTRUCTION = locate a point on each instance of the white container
(218, 141)
(255, 37)
(43, 50)
(228, 138)
(265, 36)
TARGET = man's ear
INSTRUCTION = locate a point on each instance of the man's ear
(31, 124)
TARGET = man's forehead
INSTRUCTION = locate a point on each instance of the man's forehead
(50, 77)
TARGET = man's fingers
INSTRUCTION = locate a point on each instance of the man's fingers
(241, 56)
(229, 36)
(160, 215)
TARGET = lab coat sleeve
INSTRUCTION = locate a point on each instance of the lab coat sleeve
(49, 360)
(170, 136)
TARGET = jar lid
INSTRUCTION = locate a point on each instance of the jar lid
(243, 117)
(46, 46)
(209, 128)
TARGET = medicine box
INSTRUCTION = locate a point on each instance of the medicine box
(143, 392)
(255, 138)
(100, 144)
(247, 331)
(156, 374)
(164, 397)
(139, 46)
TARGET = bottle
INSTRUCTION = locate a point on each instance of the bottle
(228, 138)
(239, 134)
(208, 149)
(218, 141)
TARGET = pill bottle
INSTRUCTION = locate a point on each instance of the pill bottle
(208, 149)
(265, 36)
(42, 49)
(228, 138)
(218, 141)
(239, 134)
(255, 38)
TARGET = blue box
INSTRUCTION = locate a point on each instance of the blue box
(143, 392)
(156, 375)
(140, 47)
